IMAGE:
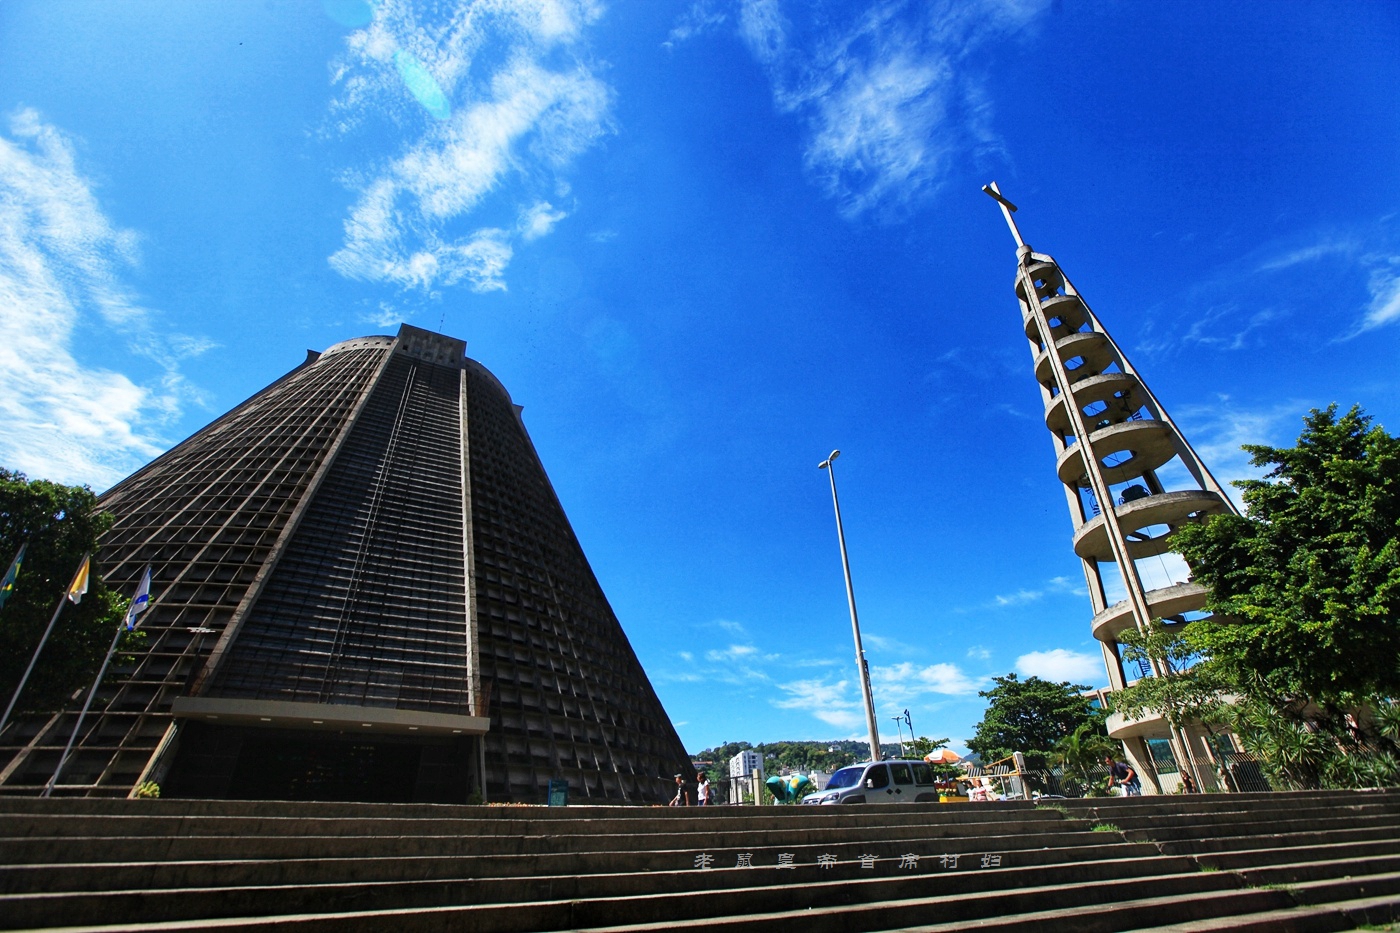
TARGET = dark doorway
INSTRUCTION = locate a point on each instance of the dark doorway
(273, 769)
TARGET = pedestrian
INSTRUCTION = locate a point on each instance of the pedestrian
(1119, 772)
(1188, 786)
(682, 798)
(702, 789)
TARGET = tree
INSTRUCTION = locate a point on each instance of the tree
(1080, 754)
(1310, 577)
(1029, 716)
(61, 524)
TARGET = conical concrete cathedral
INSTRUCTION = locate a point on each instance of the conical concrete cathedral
(364, 588)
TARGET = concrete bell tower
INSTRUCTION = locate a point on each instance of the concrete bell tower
(1130, 479)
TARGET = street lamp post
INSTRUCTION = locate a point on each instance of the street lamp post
(861, 667)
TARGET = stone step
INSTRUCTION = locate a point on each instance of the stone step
(1287, 920)
(840, 907)
(1371, 912)
(1253, 858)
(33, 850)
(1165, 833)
(1227, 910)
(137, 824)
(1333, 890)
(1190, 822)
(186, 903)
(106, 876)
(1298, 872)
(1202, 847)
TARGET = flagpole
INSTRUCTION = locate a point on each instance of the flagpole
(4, 720)
(48, 788)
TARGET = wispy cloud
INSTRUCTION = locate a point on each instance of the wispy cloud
(61, 267)
(1218, 432)
(889, 100)
(832, 703)
(1385, 296)
(979, 653)
(1061, 664)
(494, 95)
(1052, 587)
(732, 653)
(1240, 305)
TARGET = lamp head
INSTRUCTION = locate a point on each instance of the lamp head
(827, 462)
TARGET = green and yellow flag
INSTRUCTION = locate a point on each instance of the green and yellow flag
(8, 585)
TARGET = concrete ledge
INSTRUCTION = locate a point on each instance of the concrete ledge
(367, 719)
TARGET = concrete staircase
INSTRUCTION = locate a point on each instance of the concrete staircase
(1319, 861)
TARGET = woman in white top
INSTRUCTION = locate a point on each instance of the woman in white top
(702, 790)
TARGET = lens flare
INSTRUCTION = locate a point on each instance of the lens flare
(422, 85)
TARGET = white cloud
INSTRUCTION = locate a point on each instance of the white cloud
(509, 104)
(61, 262)
(979, 652)
(1053, 586)
(832, 703)
(732, 653)
(891, 100)
(901, 683)
(1385, 296)
(1061, 664)
(702, 17)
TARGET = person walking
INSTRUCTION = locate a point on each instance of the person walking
(682, 798)
(1120, 773)
(702, 789)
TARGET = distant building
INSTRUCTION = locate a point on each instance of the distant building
(741, 770)
(364, 588)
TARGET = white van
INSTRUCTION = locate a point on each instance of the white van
(896, 781)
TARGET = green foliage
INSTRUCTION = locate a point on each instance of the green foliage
(61, 524)
(924, 745)
(148, 790)
(1312, 573)
(1031, 716)
(795, 756)
(1105, 828)
(1192, 689)
(1080, 754)
(1304, 748)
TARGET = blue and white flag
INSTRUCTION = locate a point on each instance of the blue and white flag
(139, 601)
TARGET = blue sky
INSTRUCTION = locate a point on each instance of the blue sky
(704, 243)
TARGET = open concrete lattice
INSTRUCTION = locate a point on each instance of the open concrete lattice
(364, 588)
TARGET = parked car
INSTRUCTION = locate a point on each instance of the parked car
(895, 781)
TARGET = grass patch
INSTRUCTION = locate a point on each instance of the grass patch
(1057, 807)
(1105, 828)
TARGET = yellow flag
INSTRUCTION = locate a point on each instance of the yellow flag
(79, 586)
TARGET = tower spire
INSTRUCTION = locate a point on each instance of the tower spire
(1007, 209)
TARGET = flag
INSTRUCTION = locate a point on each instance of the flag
(79, 586)
(139, 601)
(7, 586)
